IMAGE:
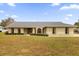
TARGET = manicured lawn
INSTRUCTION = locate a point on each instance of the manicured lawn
(38, 45)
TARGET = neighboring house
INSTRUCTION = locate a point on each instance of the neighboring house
(50, 28)
(2, 29)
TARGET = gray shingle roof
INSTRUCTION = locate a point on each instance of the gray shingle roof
(39, 24)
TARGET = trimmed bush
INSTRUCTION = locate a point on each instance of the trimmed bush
(0, 31)
(14, 33)
(39, 34)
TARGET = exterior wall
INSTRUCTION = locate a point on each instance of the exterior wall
(49, 31)
(33, 30)
(15, 30)
(71, 31)
(60, 30)
(9, 30)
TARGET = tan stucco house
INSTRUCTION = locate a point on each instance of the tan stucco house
(50, 28)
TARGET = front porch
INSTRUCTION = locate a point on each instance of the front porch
(26, 30)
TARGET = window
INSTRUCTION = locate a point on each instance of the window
(19, 31)
(54, 30)
(39, 30)
(44, 30)
(12, 30)
(66, 30)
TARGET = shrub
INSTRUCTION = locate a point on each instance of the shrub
(40, 34)
(14, 33)
(0, 31)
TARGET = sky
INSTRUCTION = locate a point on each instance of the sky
(44, 12)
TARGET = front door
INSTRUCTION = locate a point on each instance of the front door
(29, 30)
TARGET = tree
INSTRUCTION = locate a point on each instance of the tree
(7, 21)
(77, 23)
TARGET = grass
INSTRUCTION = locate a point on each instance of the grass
(22, 45)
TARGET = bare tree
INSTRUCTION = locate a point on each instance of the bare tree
(7, 21)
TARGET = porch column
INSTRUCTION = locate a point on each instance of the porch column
(15, 30)
(33, 31)
(71, 31)
(41, 30)
(22, 30)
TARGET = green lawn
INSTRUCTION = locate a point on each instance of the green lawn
(38, 45)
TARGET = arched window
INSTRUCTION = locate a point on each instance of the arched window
(39, 30)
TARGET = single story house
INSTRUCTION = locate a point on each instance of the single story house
(50, 28)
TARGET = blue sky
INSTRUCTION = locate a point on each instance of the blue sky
(59, 12)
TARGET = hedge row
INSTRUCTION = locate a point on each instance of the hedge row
(39, 34)
(23, 34)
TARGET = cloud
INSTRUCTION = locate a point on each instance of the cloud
(72, 6)
(11, 4)
(70, 15)
(7, 16)
(1, 11)
(55, 4)
(66, 18)
(14, 16)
